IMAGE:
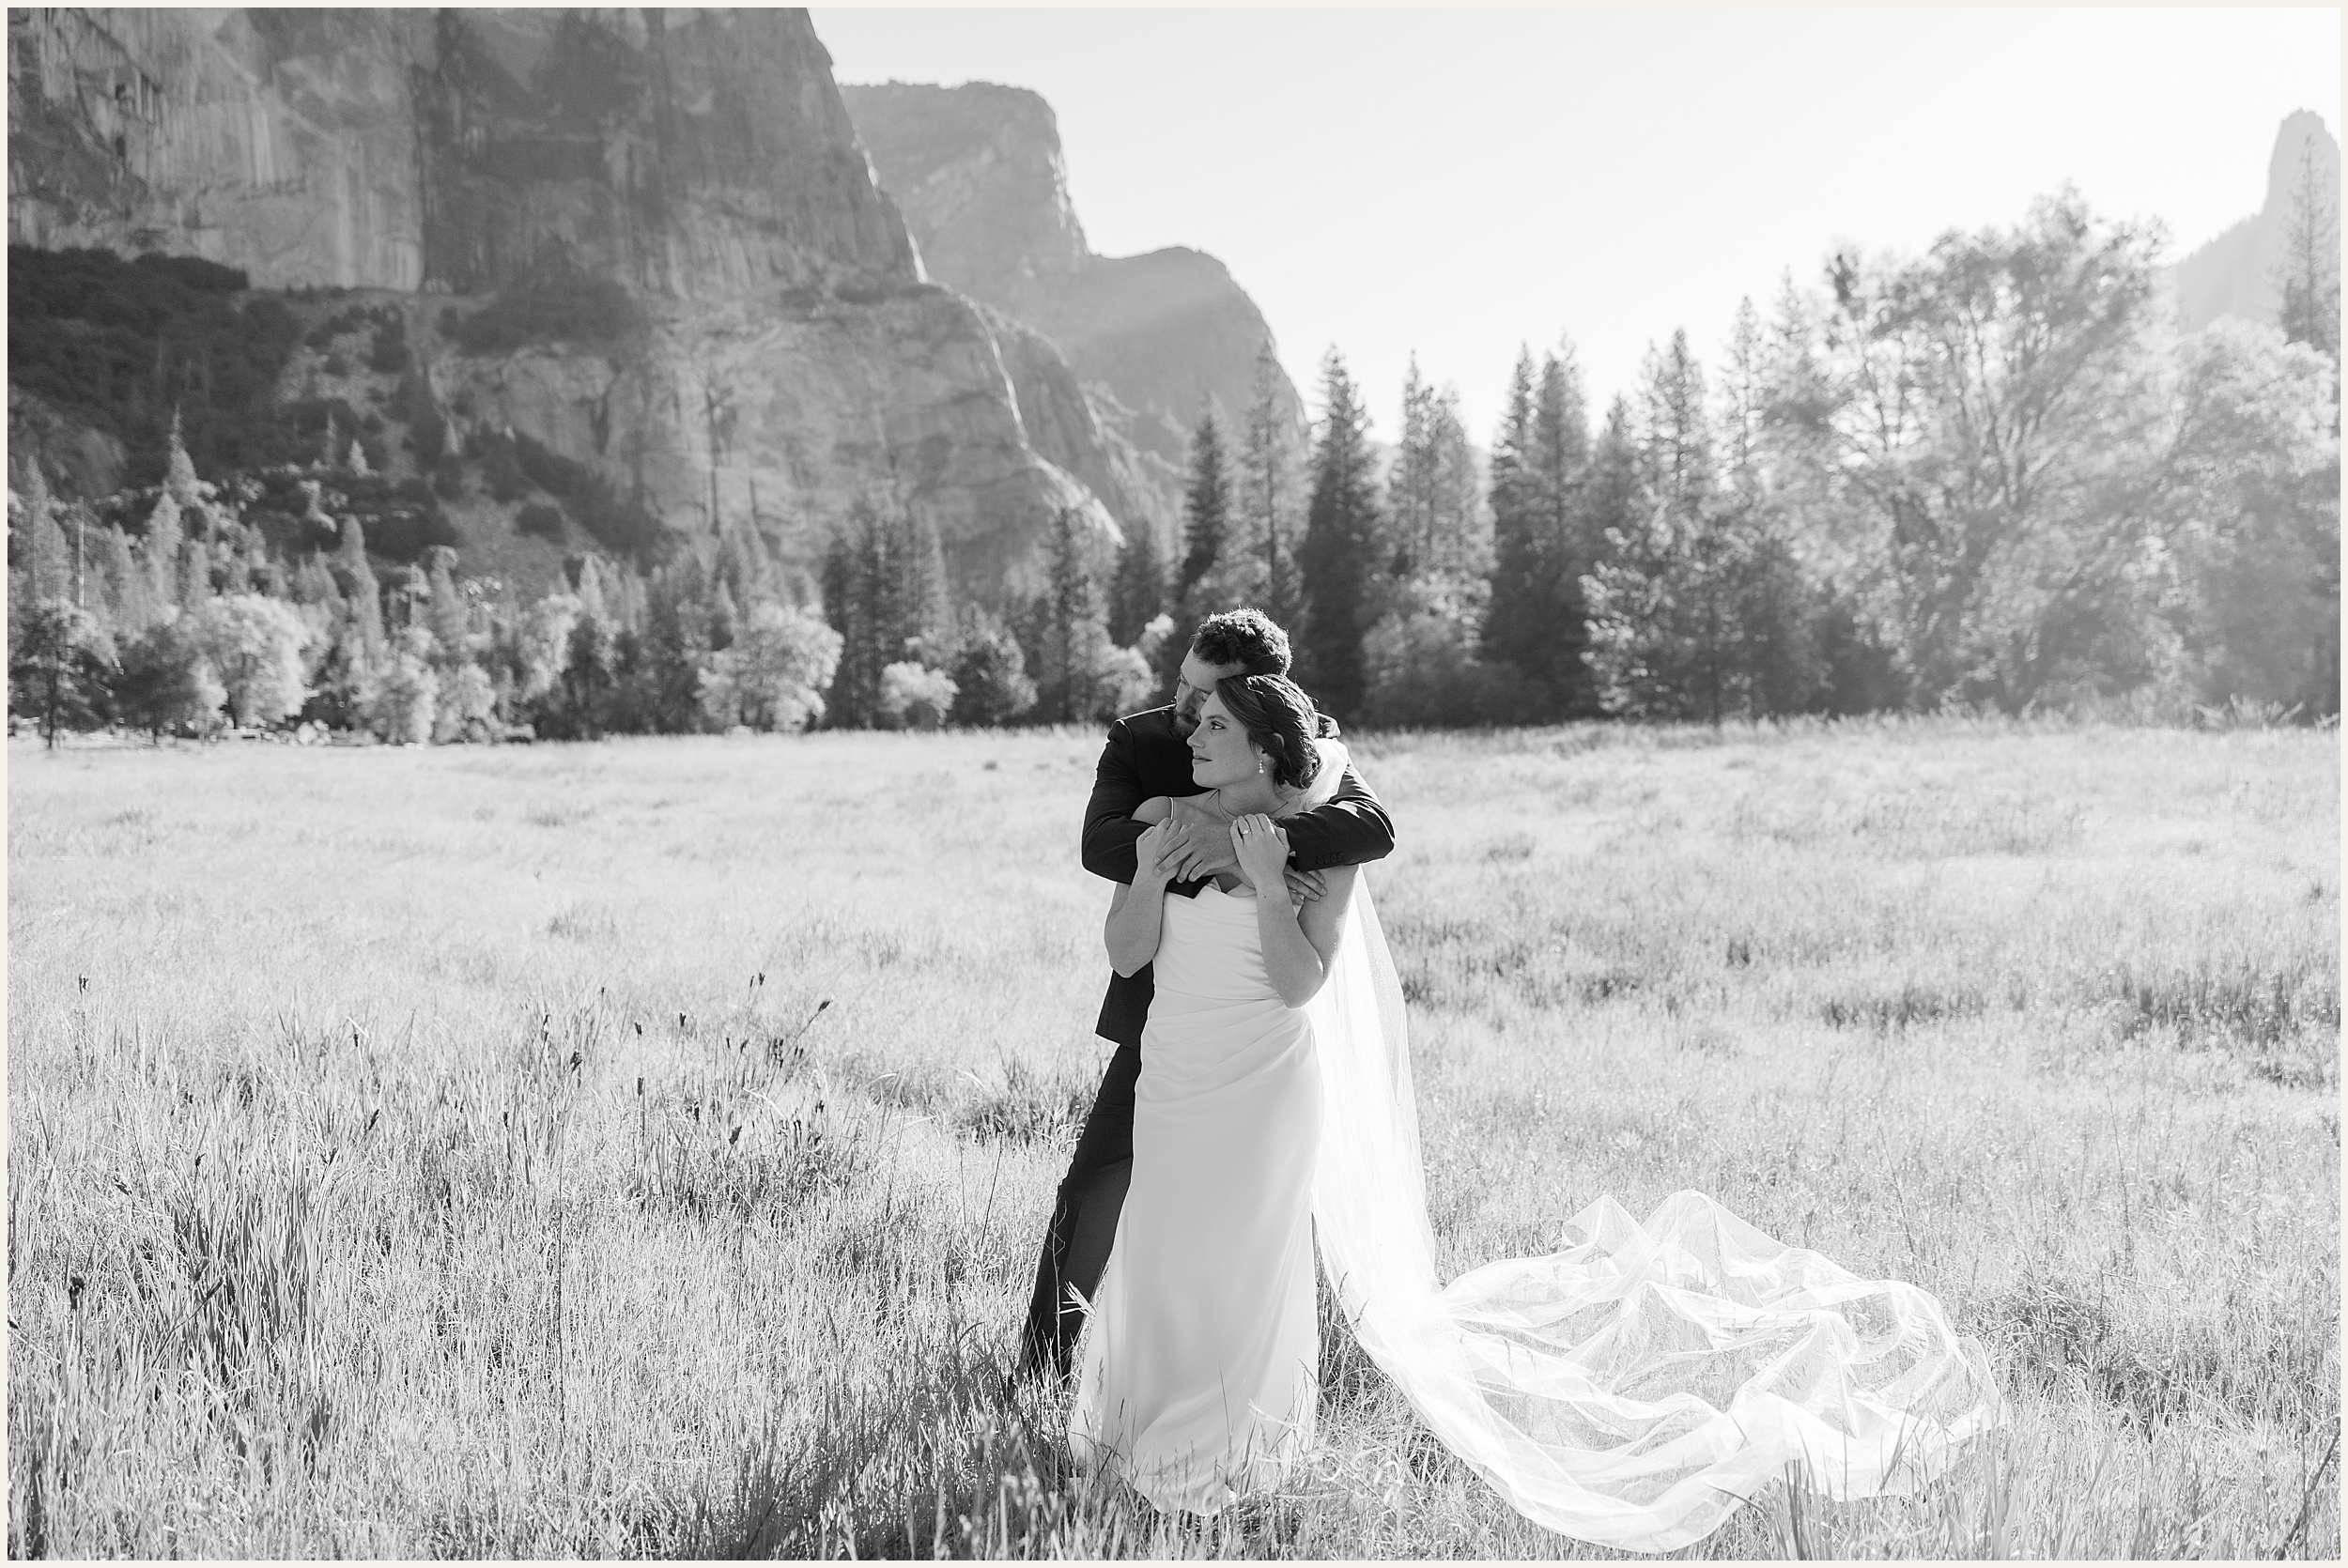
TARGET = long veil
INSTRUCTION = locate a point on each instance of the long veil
(1637, 1388)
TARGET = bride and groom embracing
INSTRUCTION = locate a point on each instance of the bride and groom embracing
(1631, 1391)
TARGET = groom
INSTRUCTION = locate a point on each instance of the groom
(1147, 754)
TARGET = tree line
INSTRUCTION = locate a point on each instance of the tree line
(1992, 475)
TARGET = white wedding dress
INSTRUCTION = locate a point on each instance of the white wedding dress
(1632, 1391)
(1198, 1377)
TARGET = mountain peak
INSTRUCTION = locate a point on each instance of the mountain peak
(2234, 273)
(2300, 127)
(978, 172)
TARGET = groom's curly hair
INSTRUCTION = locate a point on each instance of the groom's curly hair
(1247, 638)
(1282, 720)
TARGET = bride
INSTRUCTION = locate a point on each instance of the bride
(1631, 1391)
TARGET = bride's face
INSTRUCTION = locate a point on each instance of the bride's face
(1220, 752)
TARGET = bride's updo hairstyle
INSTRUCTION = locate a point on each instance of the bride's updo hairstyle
(1281, 722)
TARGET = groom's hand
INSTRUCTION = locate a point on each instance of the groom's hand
(1200, 851)
(1304, 886)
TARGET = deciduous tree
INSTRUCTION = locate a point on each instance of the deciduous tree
(59, 665)
(256, 644)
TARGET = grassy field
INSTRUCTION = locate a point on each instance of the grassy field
(640, 1149)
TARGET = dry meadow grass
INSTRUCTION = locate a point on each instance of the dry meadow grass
(639, 1148)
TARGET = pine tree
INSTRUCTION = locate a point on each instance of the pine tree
(41, 544)
(1262, 504)
(924, 615)
(450, 616)
(1779, 670)
(724, 619)
(1520, 624)
(1410, 482)
(233, 562)
(163, 544)
(179, 481)
(1137, 594)
(127, 590)
(1069, 618)
(676, 644)
(1340, 559)
(1675, 432)
(1462, 529)
(359, 588)
(194, 588)
(1744, 396)
(575, 709)
(589, 587)
(990, 672)
(1561, 437)
(340, 684)
(1666, 619)
(884, 592)
(742, 564)
(2310, 265)
(1561, 455)
(1206, 508)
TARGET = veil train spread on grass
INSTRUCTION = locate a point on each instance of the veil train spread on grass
(1636, 1388)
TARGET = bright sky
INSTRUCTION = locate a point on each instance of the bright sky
(1457, 182)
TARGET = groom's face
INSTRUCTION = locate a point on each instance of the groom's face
(1193, 686)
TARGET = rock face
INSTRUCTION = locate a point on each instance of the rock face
(977, 170)
(279, 141)
(792, 359)
(2234, 274)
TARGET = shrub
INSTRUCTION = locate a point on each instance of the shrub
(567, 310)
(1424, 673)
(116, 345)
(619, 523)
(401, 518)
(427, 432)
(325, 332)
(541, 521)
(387, 354)
(914, 697)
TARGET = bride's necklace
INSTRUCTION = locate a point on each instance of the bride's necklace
(1223, 808)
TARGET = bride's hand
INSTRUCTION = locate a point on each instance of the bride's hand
(1263, 847)
(1158, 851)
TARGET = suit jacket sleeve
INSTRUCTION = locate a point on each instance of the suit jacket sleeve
(1350, 829)
(1110, 832)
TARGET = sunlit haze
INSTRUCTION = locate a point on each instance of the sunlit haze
(1457, 182)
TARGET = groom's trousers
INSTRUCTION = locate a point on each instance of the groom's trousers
(1083, 1220)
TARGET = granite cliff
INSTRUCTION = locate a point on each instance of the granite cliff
(782, 354)
(1154, 339)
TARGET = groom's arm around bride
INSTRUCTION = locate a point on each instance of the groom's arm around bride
(1147, 755)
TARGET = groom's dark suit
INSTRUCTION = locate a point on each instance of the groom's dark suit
(1145, 757)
